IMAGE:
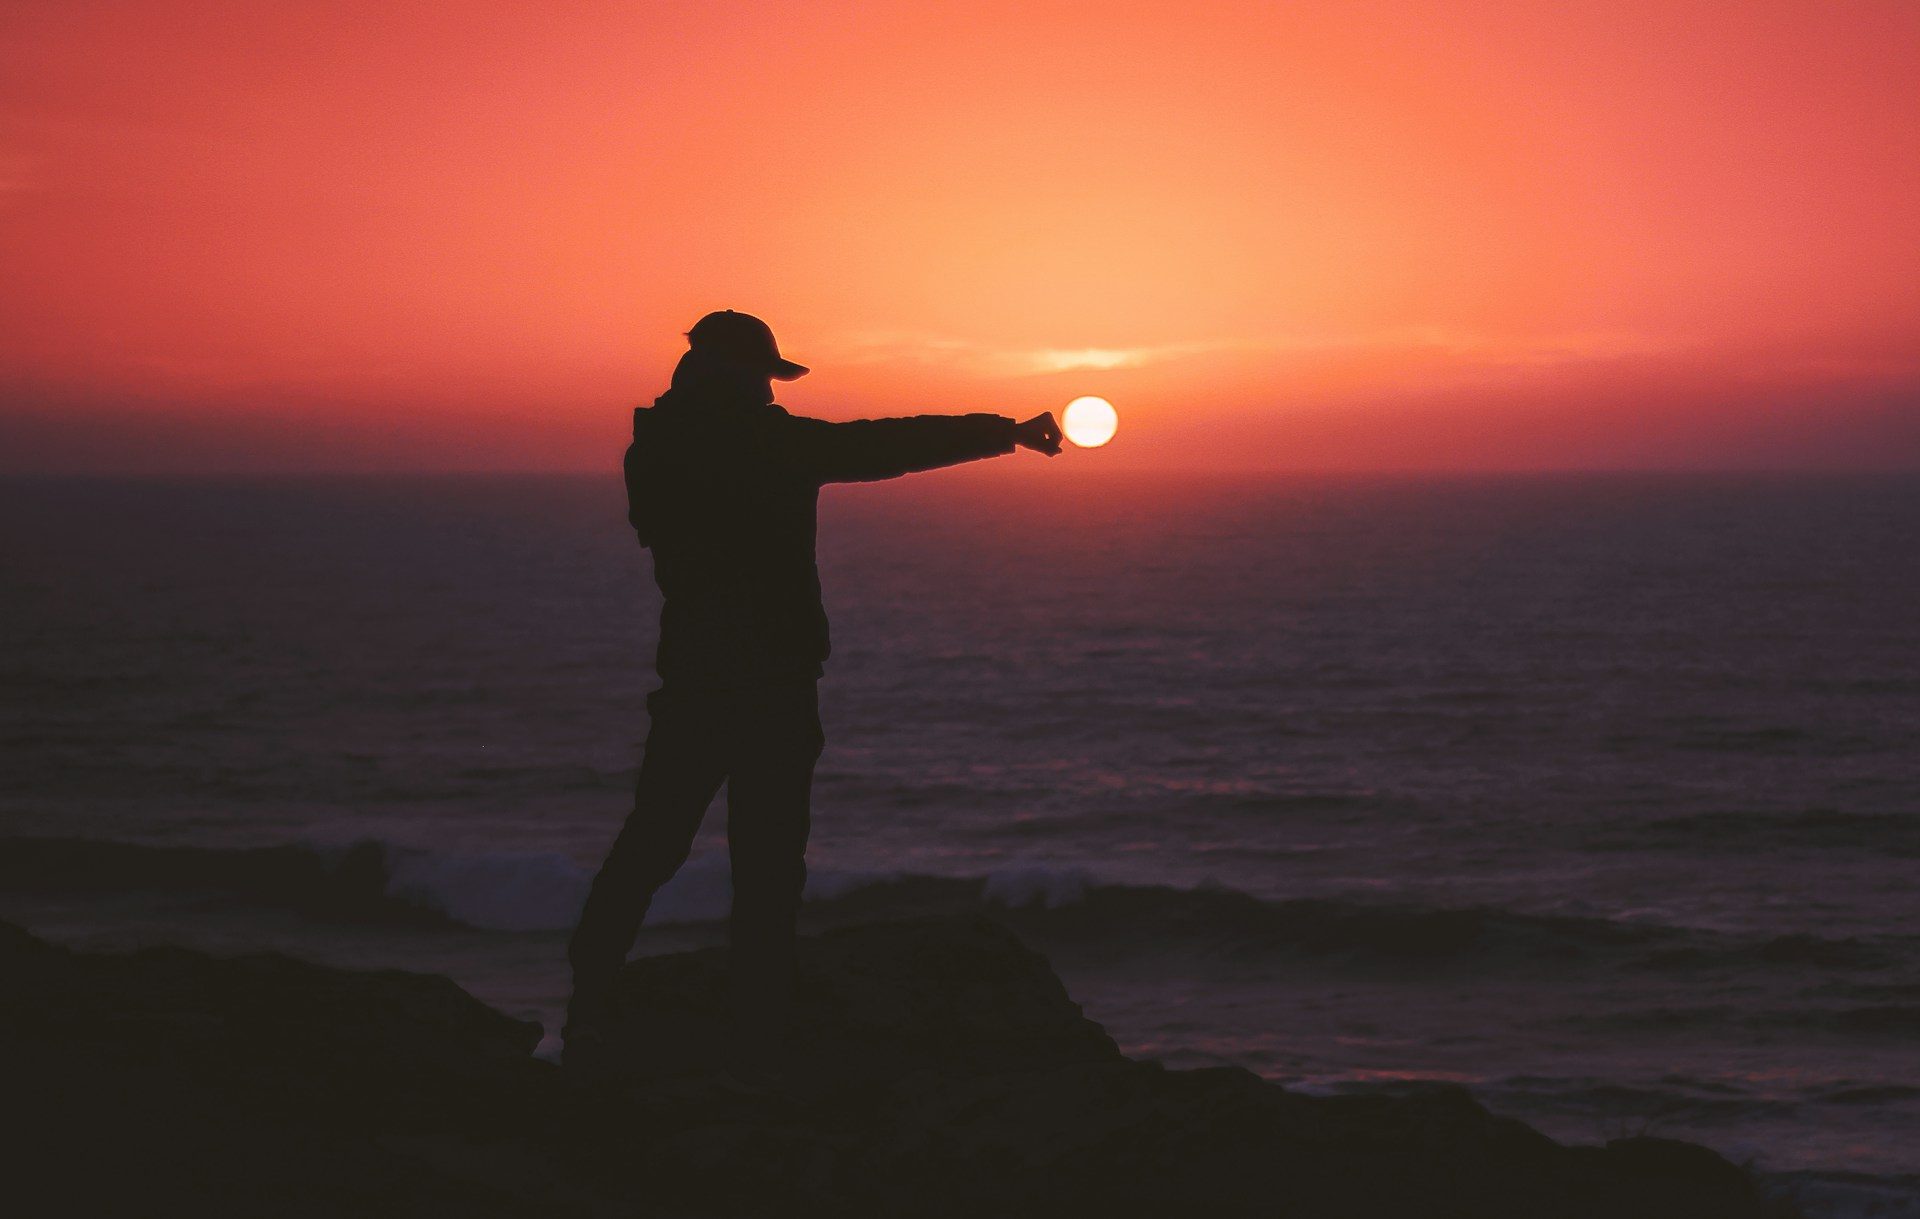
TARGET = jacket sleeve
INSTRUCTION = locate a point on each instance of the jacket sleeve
(643, 509)
(866, 450)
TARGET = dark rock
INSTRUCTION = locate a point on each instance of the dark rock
(874, 1004)
(940, 1070)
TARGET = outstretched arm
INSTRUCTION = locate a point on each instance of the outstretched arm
(869, 449)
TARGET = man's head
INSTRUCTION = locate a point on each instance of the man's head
(744, 341)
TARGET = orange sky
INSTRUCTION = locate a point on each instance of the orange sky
(1352, 234)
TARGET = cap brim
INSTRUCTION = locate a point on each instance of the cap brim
(787, 370)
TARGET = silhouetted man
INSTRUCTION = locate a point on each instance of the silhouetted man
(724, 486)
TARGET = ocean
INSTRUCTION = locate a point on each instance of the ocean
(1598, 795)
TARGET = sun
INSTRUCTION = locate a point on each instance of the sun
(1090, 422)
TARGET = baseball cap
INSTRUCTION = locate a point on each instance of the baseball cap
(746, 339)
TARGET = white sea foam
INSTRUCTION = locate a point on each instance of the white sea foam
(1029, 883)
(494, 892)
(700, 892)
(544, 892)
(825, 884)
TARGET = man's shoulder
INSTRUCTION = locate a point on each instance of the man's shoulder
(663, 417)
(781, 417)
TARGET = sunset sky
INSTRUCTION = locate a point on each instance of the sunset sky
(1462, 234)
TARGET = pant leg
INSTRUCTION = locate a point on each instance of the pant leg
(776, 741)
(681, 771)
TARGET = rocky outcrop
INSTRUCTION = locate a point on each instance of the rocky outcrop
(941, 1070)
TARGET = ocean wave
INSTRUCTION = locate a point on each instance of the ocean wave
(347, 883)
(1750, 832)
(1228, 921)
(1828, 1195)
(376, 881)
(1674, 1097)
(1870, 1094)
(1887, 1022)
(490, 892)
(543, 892)
(1795, 949)
(1024, 886)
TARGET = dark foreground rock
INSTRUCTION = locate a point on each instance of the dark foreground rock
(941, 1071)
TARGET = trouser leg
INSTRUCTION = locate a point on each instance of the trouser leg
(777, 740)
(682, 769)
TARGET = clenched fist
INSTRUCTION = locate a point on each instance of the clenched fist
(1040, 433)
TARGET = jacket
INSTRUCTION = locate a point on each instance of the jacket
(725, 492)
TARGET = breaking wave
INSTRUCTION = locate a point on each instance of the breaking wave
(371, 881)
(381, 882)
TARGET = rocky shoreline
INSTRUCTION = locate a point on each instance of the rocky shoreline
(941, 1070)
